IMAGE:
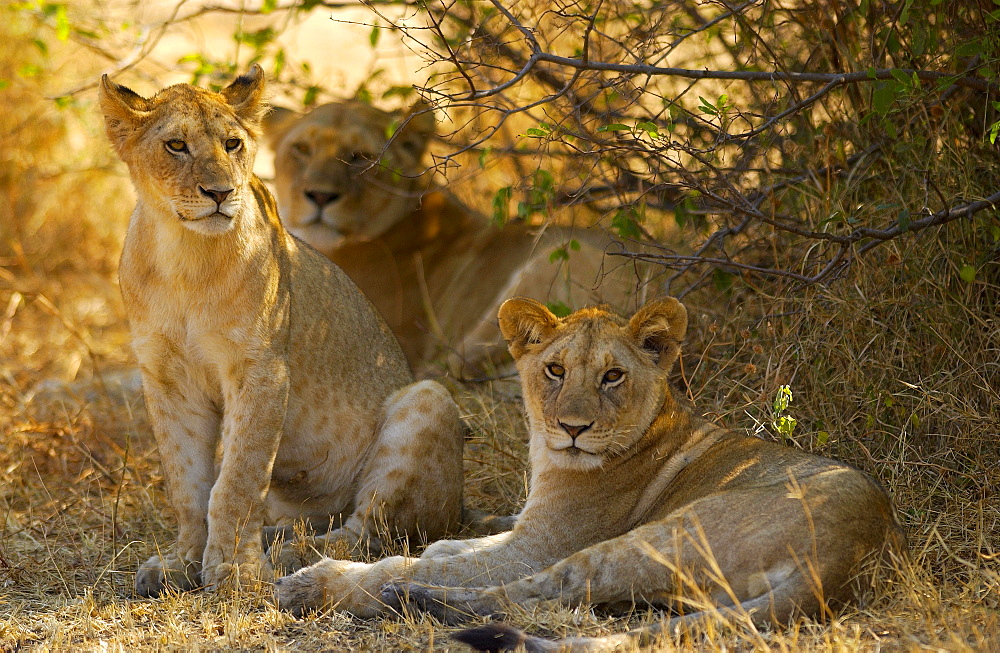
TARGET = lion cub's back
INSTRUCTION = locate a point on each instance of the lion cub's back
(738, 462)
(340, 346)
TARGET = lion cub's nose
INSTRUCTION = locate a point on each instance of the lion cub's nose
(218, 195)
(575, 430)
(321, 199)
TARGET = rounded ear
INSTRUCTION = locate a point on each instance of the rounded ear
(524, 322)
(124, 110)
(659, 327)
(246, 96)
(417, 126)
(276, 123)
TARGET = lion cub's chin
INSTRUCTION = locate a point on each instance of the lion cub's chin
(576, 459)
(214, 224)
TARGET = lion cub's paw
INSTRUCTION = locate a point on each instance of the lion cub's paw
(157, 574)
(235, 576)
(294, 555)
(450, 605)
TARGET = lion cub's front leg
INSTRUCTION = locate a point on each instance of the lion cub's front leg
(186, 434)
(251, 432)
(219, 517)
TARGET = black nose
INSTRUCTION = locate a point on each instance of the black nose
(218, 195)
(321, 199)
(575, 430)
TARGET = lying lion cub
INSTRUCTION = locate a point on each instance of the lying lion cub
(272, 384)
(630, 492)
(434, 269)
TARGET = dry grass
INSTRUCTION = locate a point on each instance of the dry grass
(899, 363)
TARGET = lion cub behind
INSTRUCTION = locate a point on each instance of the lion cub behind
(632, 498)
(436, 270)
(274, 389)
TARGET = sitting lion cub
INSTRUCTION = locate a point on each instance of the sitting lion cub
(631, 492)
(435, 270)
(272, 385)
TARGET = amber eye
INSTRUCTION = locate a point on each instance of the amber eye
(301, 148)
(612, 376)
(555, 370)
(177, 146)
(233, 144)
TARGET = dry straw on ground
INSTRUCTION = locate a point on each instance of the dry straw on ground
(899, 364)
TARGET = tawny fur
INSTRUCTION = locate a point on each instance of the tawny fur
(274, 389)
(632, 498)
(436, 271)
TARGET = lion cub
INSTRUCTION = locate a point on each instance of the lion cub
(274, 389)
(631, 493)
(436, 270)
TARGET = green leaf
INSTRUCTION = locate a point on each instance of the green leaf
(534, 132)
(373, 35)
(390, 129)
(399, 91)
(258, 39)
(822, 438)
(900, 77)
(722, 280)
(903, 220)
(279, 61)
(613, 127)
(559, 254)
(268, 6)
(483, 155)
(62, 23)
(967, 273)
(970, 49)
(648, 127)
(626, 224)
(574, 245)
(883, 98)
(4, 83)
(501, 201)
(309, 98)
(559, 309)
(42, 46)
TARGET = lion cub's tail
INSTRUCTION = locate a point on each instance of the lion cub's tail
(501, 637)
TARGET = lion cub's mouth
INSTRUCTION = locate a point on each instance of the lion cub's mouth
(218, 214)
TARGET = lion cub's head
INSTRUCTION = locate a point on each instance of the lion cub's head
(347, 170)
(190, 151)
(593, 382)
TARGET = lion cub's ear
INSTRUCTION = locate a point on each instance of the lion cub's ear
(659, 327)
(524, 322)
(124, 110)
(418, 126)
(246, 96)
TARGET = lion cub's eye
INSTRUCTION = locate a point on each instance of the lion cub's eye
(555, 370)
(612, 376)
(177, 146)
(233, 144)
